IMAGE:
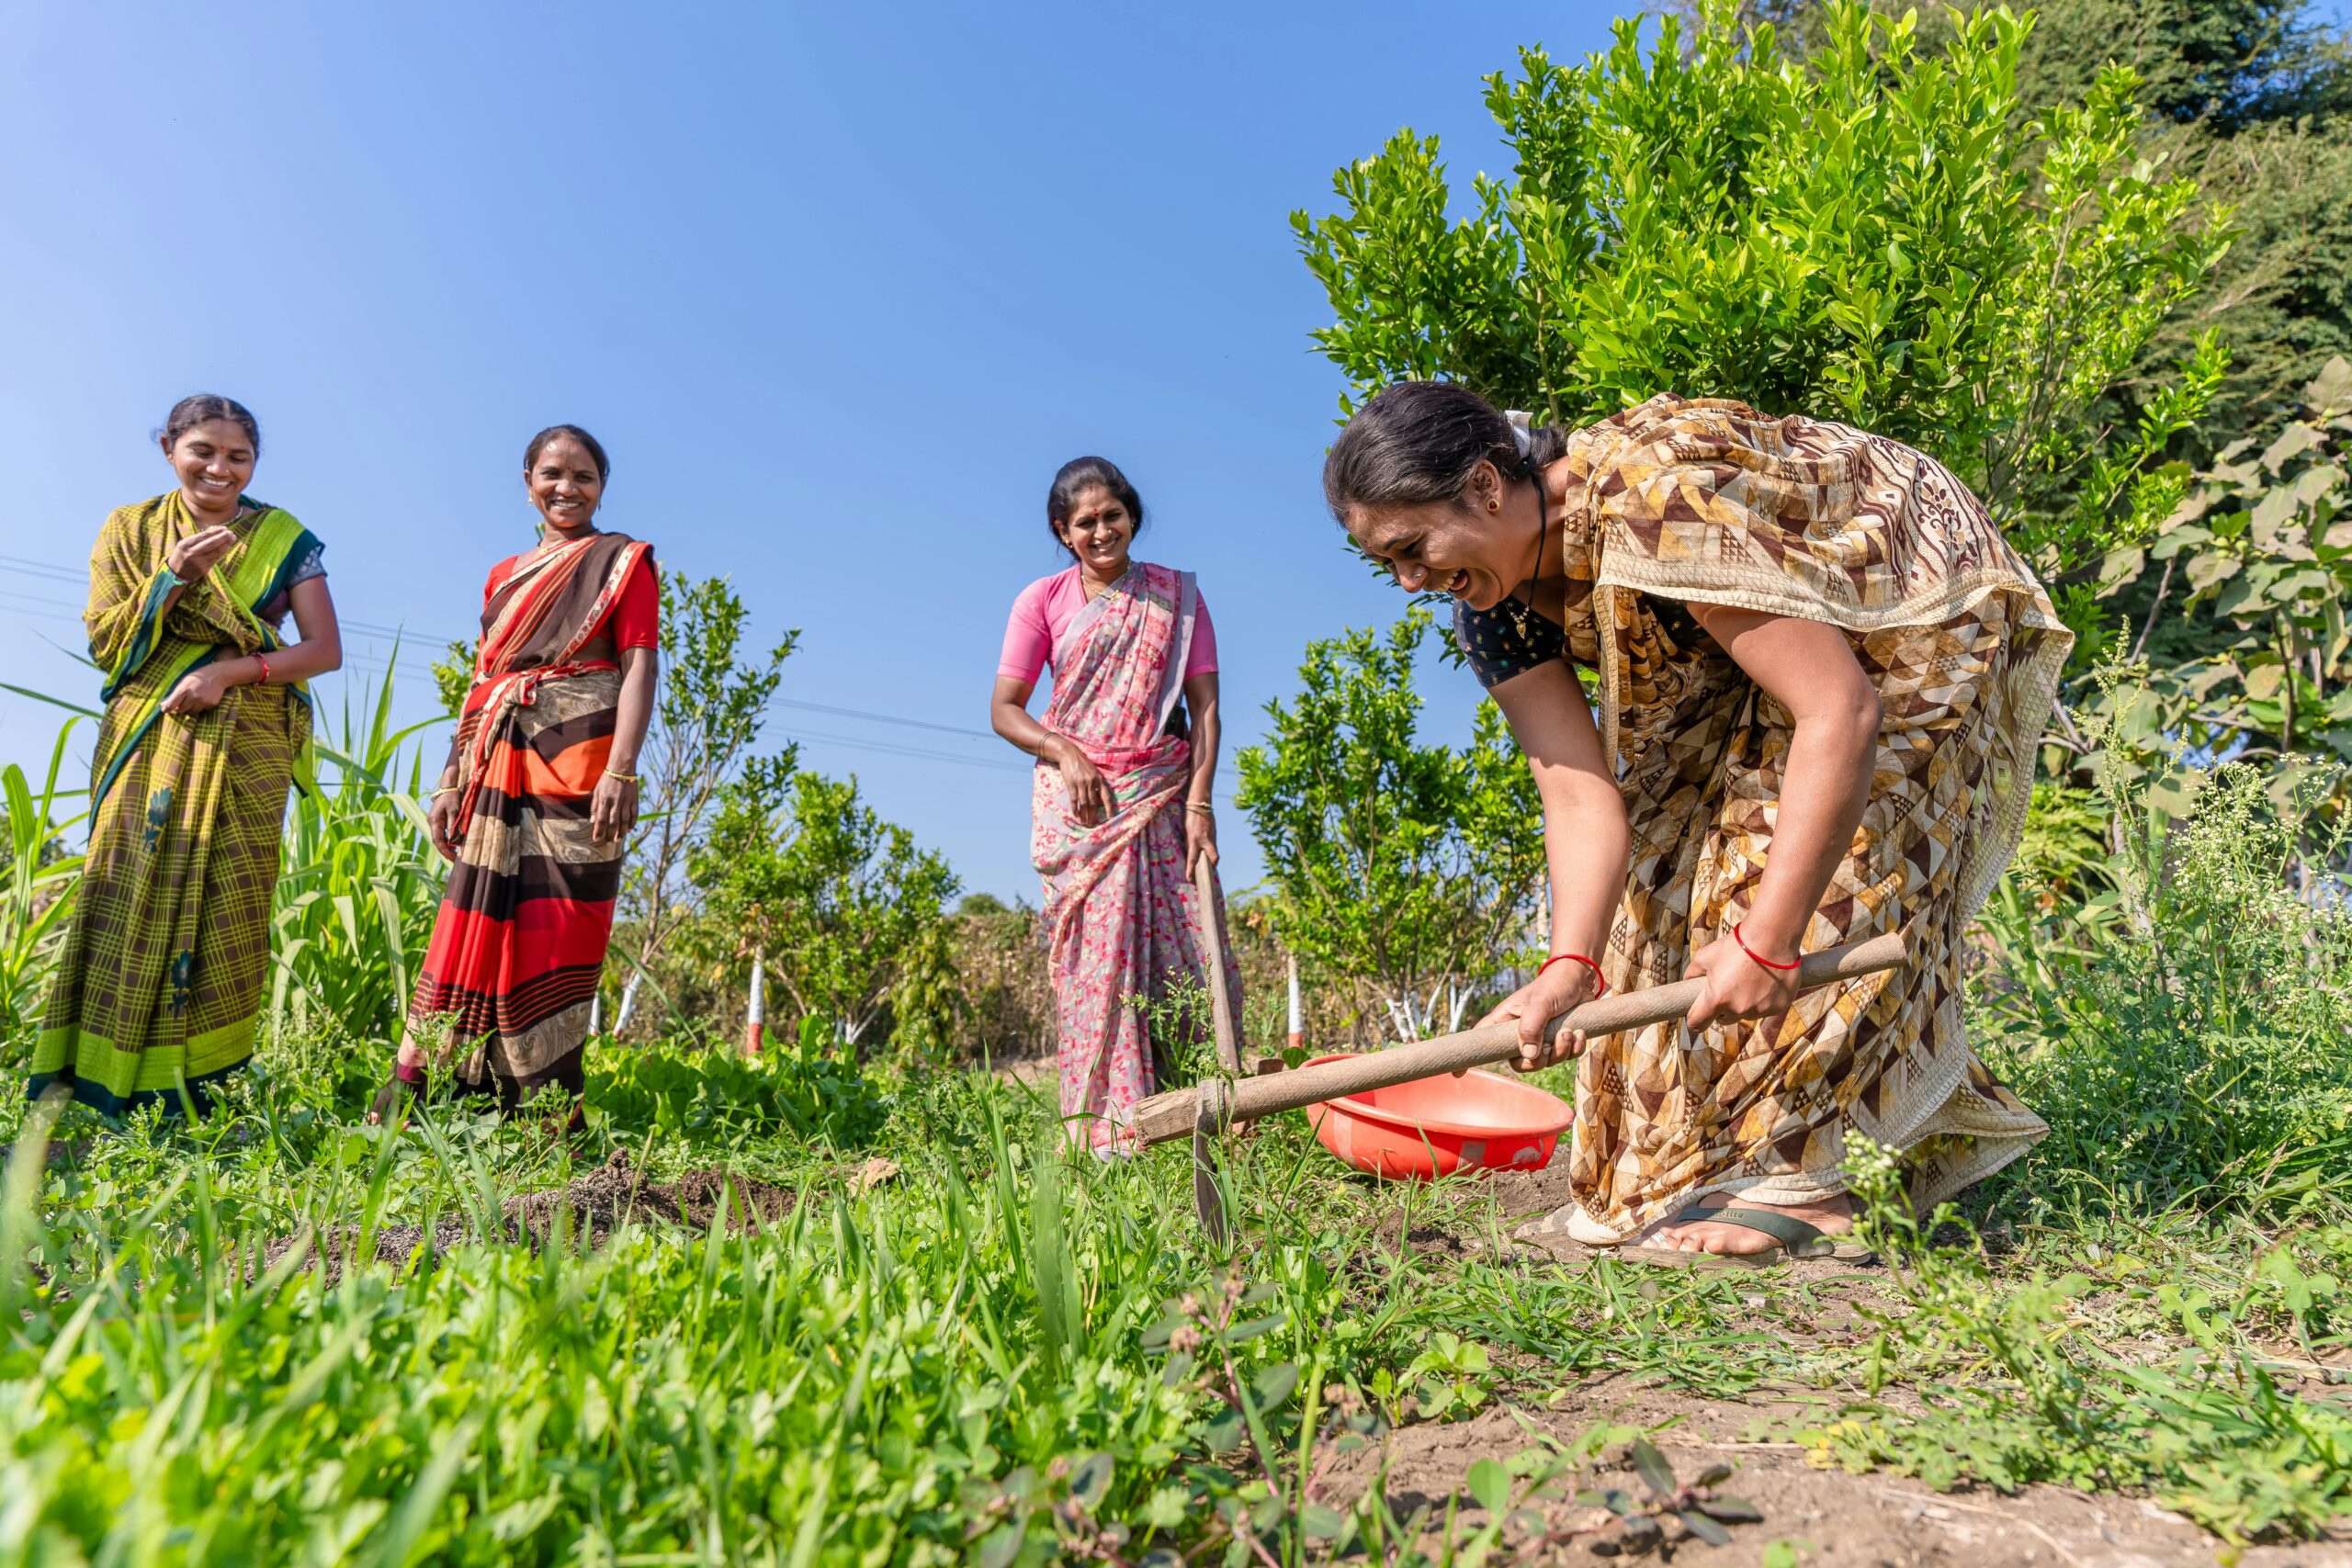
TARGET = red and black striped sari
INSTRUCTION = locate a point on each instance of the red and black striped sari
(519, 944)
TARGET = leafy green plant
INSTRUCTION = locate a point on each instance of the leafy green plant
(37, 898)
(1880, 237)
(1449, 1379)
(2012, 1395)
(808, 1084)
(358, 881)
(2262, 548)
(1406, 866)
(849, 912)
(712, 705)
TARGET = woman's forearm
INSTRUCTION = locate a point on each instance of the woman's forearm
(1009, 716)
(640, 668)
(1585, 842)
(1202, 784)
(1201, 698)
(1825, 787)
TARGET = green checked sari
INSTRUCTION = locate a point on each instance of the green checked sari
(161, 977)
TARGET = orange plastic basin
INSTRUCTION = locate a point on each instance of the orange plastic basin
(1437, 1126)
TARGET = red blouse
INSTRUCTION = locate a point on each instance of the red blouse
(635, 619)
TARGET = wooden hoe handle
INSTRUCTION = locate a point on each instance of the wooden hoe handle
(1173, 1114)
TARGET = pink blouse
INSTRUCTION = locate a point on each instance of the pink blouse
(1043, 612)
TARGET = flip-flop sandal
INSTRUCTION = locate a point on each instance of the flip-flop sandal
(1792, 1239)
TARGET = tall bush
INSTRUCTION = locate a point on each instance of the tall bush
(1876, 236)
(1406, 866)
(848, 911)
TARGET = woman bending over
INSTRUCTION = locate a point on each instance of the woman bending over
(1822, 678)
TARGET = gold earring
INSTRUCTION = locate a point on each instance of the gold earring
(1494, 505)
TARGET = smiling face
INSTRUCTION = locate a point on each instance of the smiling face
(1098, 531)
(1462, 547)
(565, 485)
(215, 462)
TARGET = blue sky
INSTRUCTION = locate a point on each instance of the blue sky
(839, 289)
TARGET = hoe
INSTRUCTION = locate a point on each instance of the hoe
(1209, 1109)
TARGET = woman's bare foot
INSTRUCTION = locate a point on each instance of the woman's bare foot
(1833, 1216)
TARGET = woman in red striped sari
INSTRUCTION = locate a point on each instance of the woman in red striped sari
(540, 794)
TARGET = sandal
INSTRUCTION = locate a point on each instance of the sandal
(387, 1099)
(1792, 1238)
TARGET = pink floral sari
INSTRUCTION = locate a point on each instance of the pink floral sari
(1122, 921)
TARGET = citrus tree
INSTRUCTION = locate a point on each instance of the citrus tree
(850, 914)
(1408, 866)
(1876, 234)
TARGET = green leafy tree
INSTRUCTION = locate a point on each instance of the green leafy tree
(453, 676)
(2259, 562)
(849, 912)
(1408, 867)
(2253, 98)
(711, 707)
(1880, 237)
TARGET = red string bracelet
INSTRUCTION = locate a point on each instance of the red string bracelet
(1599, 979)
(264, 668)
(1759, 958)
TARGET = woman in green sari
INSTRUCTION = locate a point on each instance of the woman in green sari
(207, 723)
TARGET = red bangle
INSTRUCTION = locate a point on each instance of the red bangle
(1759, 958)
(263, 662)
(1599, 979)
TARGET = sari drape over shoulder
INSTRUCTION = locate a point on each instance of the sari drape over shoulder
(1122, 919)
(1706, 501)
(519, 943)
(161, 976)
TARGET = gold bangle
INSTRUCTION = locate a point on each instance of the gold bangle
(446, 789)
(1202, 807)
(625, 778)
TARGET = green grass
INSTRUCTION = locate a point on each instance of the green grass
(975, 1360)
(1007, 1356)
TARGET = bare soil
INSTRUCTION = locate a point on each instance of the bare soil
(1832, 1518)
(1868, 1521)
(588, 1209)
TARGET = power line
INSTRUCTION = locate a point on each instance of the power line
(891, 750)
(425, 643)
(886, 718)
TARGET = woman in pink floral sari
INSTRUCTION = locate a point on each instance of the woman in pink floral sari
(1121, 812)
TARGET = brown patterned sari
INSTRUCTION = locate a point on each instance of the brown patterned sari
(1686, 501)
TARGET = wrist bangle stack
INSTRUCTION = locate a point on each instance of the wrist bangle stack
(1598, 977)
(1202, 807)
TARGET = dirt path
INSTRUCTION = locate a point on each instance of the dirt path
(1867, 1521)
